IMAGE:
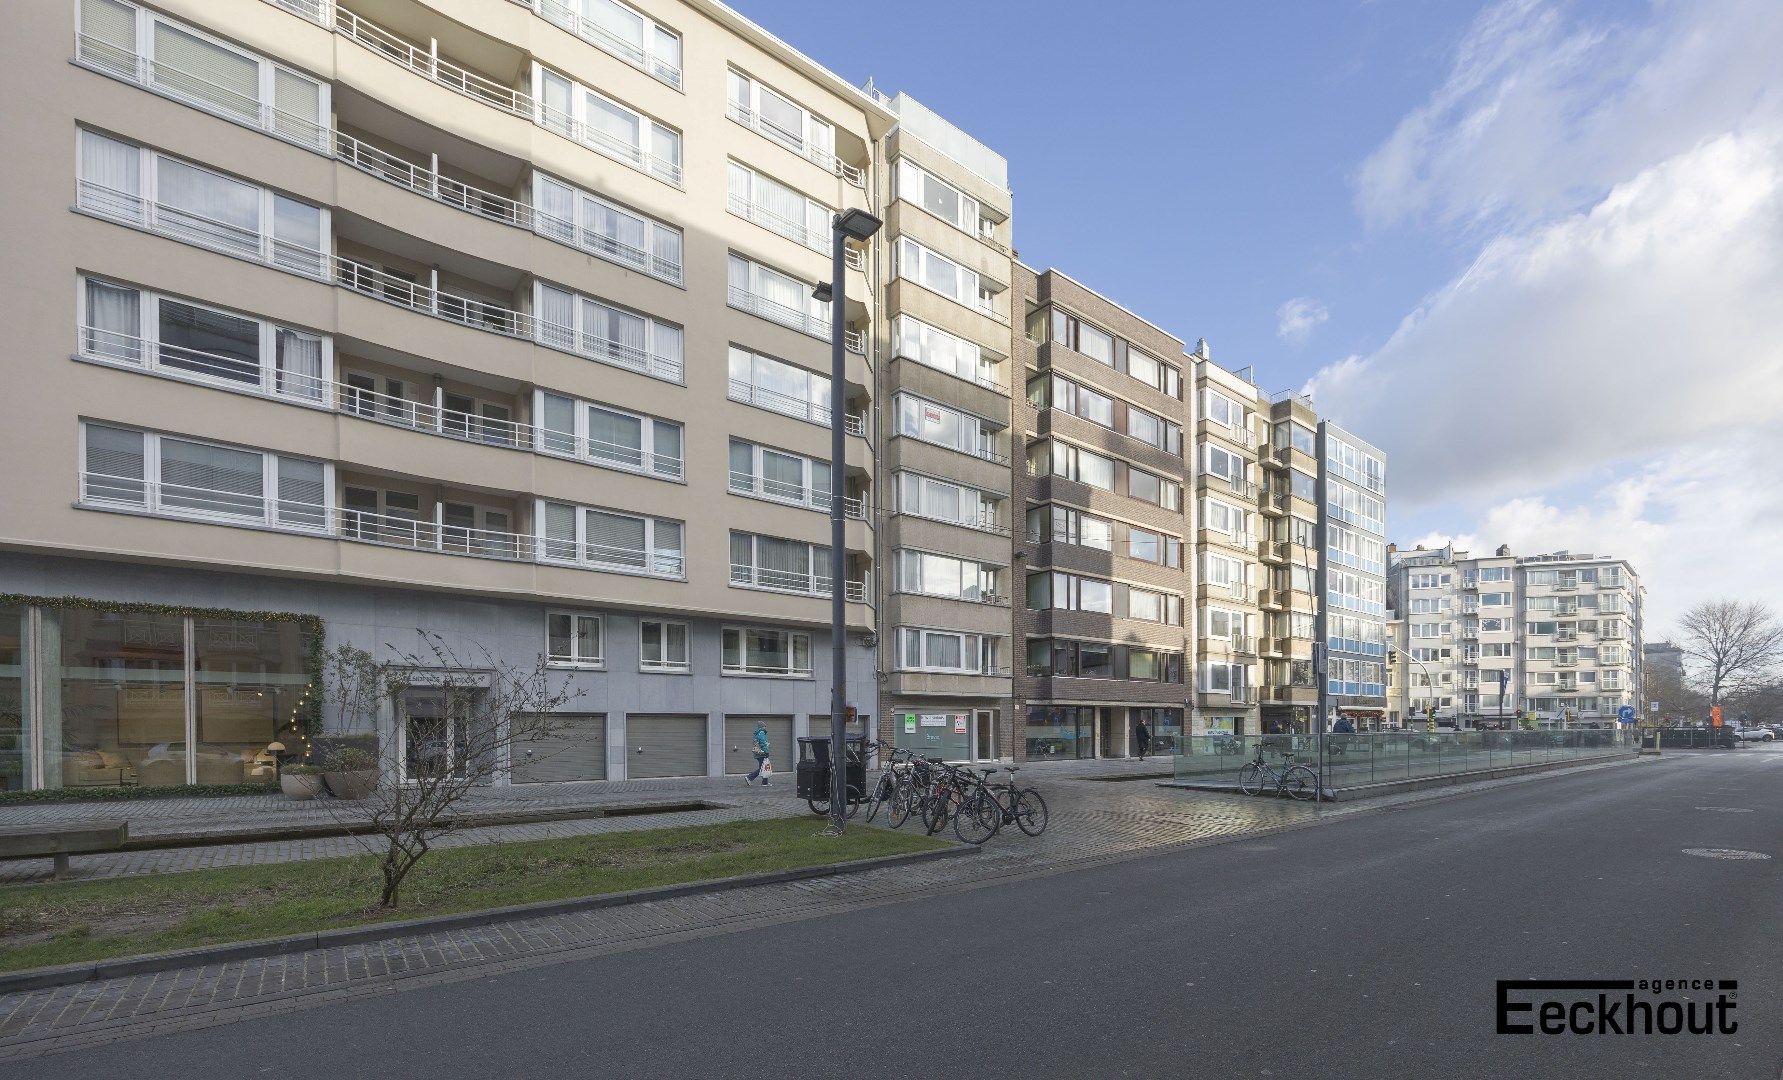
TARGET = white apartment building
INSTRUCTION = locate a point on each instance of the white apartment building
(1489, 641)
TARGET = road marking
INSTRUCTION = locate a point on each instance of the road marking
(1726, 809)
(1724, 853)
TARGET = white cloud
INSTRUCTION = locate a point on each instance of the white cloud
(1608, 373)
(1296, 319)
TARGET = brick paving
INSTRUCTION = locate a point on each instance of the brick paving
(1092, 822)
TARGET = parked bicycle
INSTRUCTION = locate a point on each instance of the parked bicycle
(1298, 781)
(940, 794)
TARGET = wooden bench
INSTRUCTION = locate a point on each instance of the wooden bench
(61, 841)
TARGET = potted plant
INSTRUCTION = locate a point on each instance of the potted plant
(351, 773)
(301, 782)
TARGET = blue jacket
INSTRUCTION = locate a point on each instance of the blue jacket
(761, 741)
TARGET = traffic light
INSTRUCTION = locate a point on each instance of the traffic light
(1430, 717)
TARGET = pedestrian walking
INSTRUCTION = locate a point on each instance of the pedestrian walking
(764, 768)
(1143, 736)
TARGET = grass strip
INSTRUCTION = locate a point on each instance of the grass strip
(70, 922)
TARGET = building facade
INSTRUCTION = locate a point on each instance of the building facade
(1354, 476)
(1498, 640)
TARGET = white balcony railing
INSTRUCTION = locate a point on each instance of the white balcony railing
(566, 16)
(793, 494)
(193, 228)
(775, 222)
(798, 144)
(787, 405)
(804, 583)
(199, 92)
(805, 322)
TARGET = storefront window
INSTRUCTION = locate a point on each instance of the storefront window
(248, 680)
(1061, 732)
(1165, 726)
(13, 742)
(114, 709)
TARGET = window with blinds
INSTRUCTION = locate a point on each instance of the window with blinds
(113, 471)
(612, 540)
(188, 478)
(600, 331)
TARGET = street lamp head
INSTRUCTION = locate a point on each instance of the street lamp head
(857, 224)
(822, 293)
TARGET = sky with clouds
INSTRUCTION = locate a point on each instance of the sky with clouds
(1533, 250)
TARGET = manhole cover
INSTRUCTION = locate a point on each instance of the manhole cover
(1725, 809)
(1724, 853)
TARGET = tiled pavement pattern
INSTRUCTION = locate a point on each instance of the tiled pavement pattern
(1092, 822)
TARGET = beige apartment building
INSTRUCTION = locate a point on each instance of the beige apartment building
(1497, 640)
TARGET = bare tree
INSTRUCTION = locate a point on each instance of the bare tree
(464, 722)
(1736, 644)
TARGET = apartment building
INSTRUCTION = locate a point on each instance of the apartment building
(1494, 640)
(339, 320)
(1106, 609)
(1233, 585)
(945, 385)
(1354, 475)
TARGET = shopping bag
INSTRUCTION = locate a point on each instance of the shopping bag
(767, 768)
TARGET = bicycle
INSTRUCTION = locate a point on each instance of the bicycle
(1298, 781)
(992, 806)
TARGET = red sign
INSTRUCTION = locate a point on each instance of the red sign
(1715, 716)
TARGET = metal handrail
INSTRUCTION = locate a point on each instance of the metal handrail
(772, 310)
(797, 143)
(560, 14)
(751, 484)
(199, 229)
(806, 583)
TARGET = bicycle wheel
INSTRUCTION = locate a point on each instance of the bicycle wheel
(939, 809)
(820, 807)
(978, 819)
(1030, 812)
(1251, 778)
(903, 799)
(1301, 782)
(881, 792)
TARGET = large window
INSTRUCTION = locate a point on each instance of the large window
(185, 477)
(600, 331)
(1154, 547)
(198, 206)
(1353, 464)
(622, 31)
(947, 651)
(1069, 592)
(574, 639)
(1151, 606)
(175, 59)
(1064, 525)
(611, 540)
(1071, 462)
(938, 273)
(15, 770)
(776, 385)
(1075, 334)
(753, 651)
(769, 562)
(618, 131)
(613, 232)
(776, 474)
(608, 436)
(944, 500)
(1228, 521)
(779, 208)
(1222, 410)
(780, 118)
(912, 184)
(946, 426)
(917, 340)
(193, 341)
(1057, 392)
(780, 298)
(662, 646)
(1148, 487)
(1154, 430)
(946, 575)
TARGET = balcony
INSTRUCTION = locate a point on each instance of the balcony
(798, 408)
(1244, 542)
(1566, 585)
(1566, 635)
(1226, 590)
(1243, 436)
(1275, 551)
(1270, 600)
(804, 583)
(1470, 633)
(765, 487)
(797, 143)
(1470, 583)
(1234, 485)
(562, 14)
(817, 326)
(1566, 662)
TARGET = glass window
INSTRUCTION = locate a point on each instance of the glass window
(14, 707)
(662, 646)
(248, 679)
(114, 713)
(573, 638)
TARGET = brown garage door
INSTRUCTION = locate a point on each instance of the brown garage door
(739, 743)
(665, 745)
(577, 752)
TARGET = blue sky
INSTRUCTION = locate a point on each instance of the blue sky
(1531, 248)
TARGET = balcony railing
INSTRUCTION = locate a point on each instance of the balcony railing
(1237, 485)
(804, 583)
(798, 144)
(794, 494)
(562, 14)
(818, 326)
(787, 405)
(199, 92)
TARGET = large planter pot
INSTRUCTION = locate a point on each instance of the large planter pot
(358, 784)
(301, 788)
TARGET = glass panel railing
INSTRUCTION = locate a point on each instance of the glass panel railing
(1352, 761)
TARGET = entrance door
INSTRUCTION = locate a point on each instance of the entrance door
(984, 735)
(433, 732)
(1105, 742)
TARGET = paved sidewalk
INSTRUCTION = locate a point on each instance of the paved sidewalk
(1093, 822)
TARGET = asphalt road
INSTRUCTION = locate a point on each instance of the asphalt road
(1367, 947)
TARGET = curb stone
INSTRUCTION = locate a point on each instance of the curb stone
(99, 970)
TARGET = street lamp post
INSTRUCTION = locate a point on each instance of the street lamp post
(850, 225)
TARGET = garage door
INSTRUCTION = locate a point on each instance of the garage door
(578, 752)
(665, 745)
(739, 743)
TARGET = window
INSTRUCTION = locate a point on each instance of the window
(1429, 606)
(1222, 410)
(608, 436)
(190, 341)
(1063, 525)
(1227, 625)
(1153, 606)
(1298, 436)
(1353, 464)
(913, 185)
(769, 562)
(1303, 486)
(768, 383)
(596, 329)
(1072, 463)
(1225, 464)
(1226, 520)
(942, 500)
(1230, 679)
(169, 475)
(202, 71)
(573, 216)
(779, 208)
(950, 651)
(1154, 430)
(1075, 334)
(917, 340)
(751, 651)
(777, 297)
(1495, 573)
(946, 575)
(610, 540)
(939, 274)
(1154, 547)
(946, 426)
(662, 646)
(1224, 571)
(1428, 581)
(199, 206)
(780, 118)
(1154, 373)
(776, 474)
(1146, 487)
(1069, 592)
(618, 131)
(622, 32)
(573, 639)
(1055, 392)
